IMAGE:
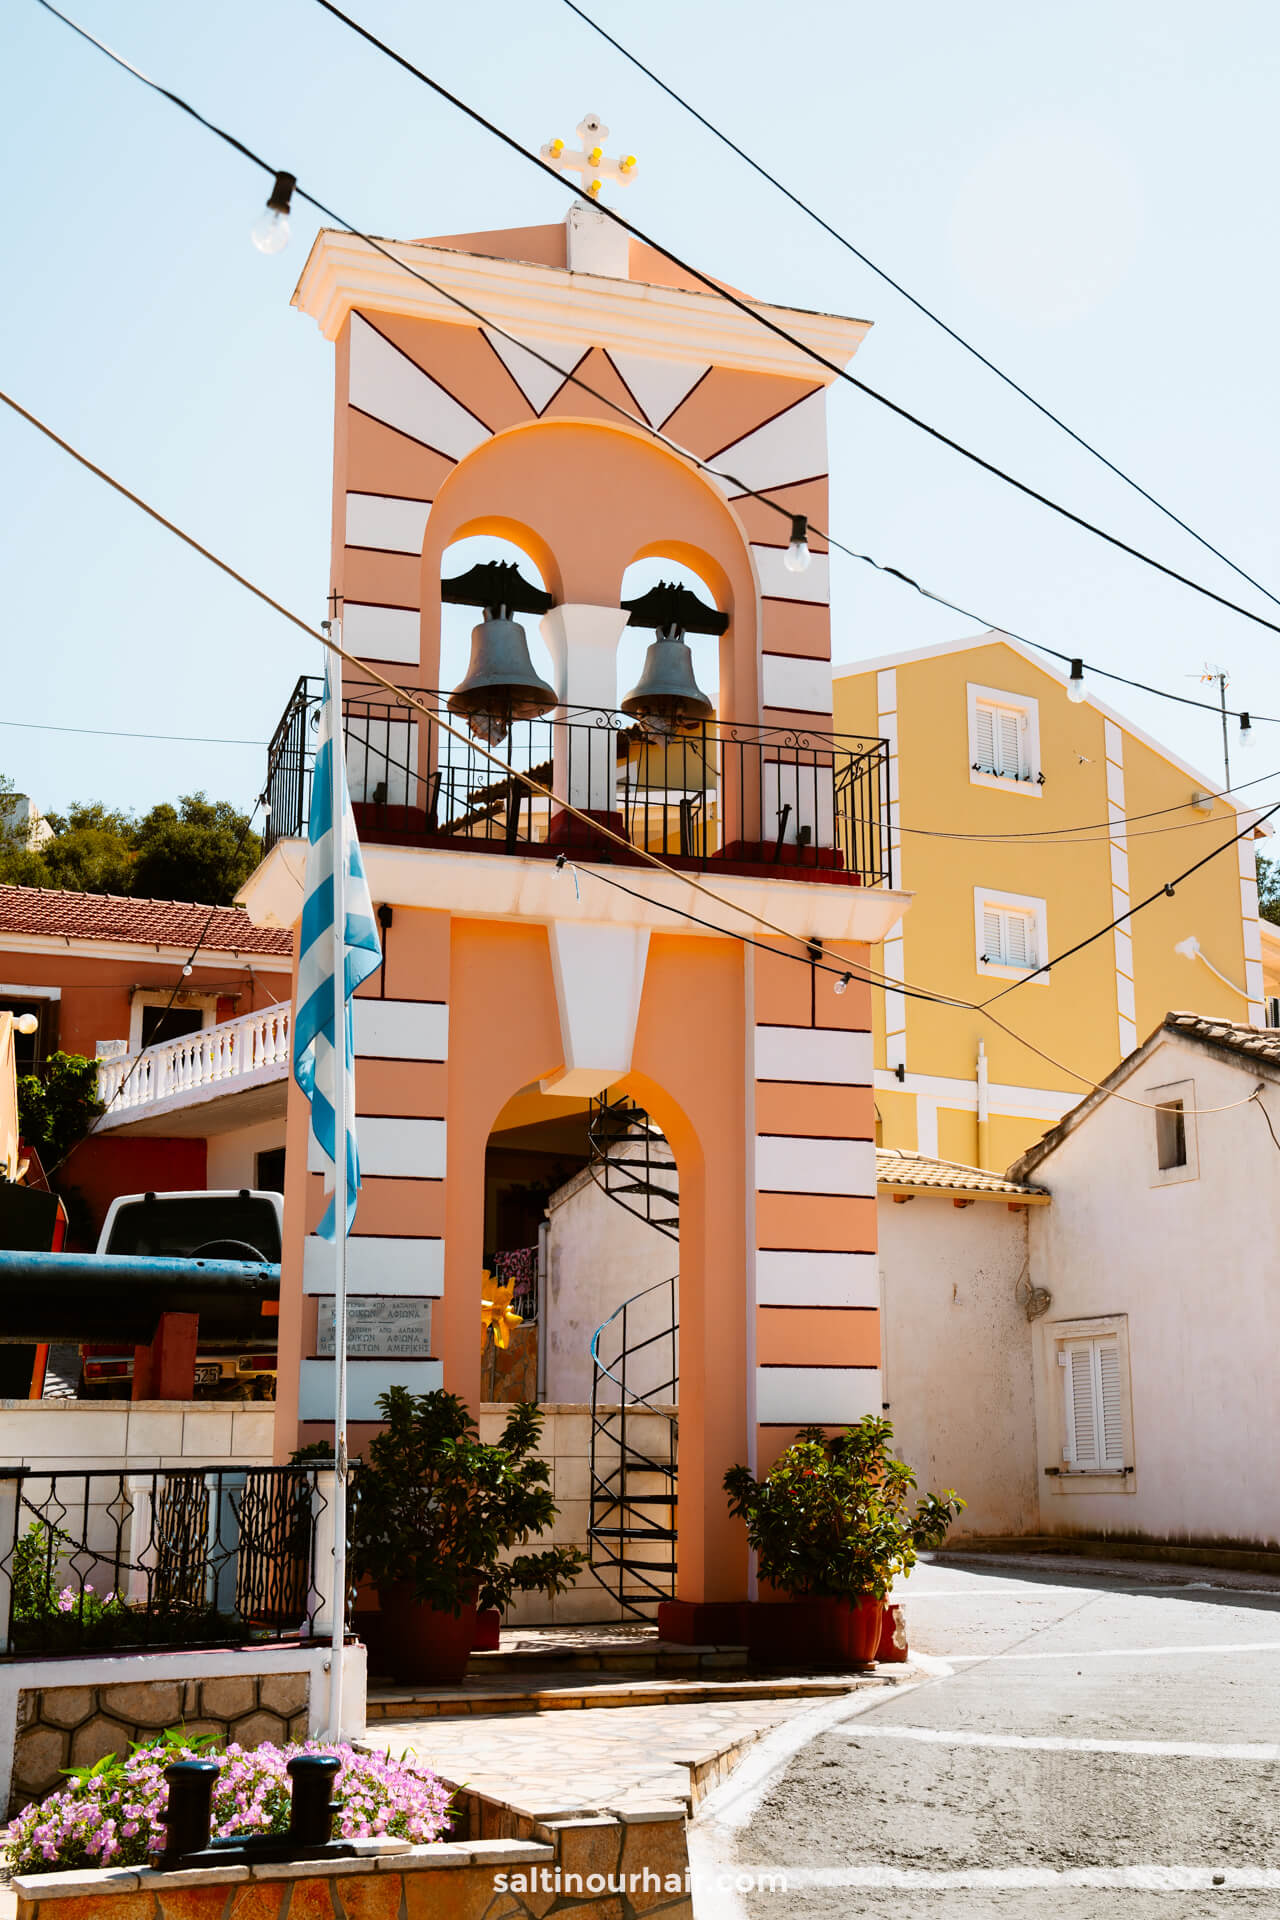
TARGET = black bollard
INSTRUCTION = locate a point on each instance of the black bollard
(190, 1811)
(312, 1810)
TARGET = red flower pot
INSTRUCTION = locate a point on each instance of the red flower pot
(424, 1645)
(488, 1628)
(860, 1624)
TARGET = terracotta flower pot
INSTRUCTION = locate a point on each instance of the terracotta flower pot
(424, 1645)
(488, 1628)
(893, 1635)
(860, 1625)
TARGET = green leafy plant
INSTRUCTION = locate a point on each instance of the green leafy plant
(830, 1518)
(58, 1105)
(442, 1510)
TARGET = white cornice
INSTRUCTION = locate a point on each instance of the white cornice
(144, 952)
(519, 887)
(549, 303)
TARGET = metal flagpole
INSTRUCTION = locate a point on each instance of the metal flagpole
(342, 1125)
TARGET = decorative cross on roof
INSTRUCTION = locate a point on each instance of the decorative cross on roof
(590, 163)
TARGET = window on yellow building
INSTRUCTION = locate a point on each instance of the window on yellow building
(1004, 740)
(1010, 933)
(1009, 937)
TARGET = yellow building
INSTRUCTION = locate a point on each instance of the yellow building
(1023, 822)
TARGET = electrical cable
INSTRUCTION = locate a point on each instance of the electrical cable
(852, 968)
(585, 386)
(114, 733)
(1167, 890)
(920, 306)
(772, 326)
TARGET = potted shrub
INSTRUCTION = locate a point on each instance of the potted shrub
(830, 1527)
(437, 1517)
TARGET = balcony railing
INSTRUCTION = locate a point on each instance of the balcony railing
(190, 1556)
(718, 796)
(233, 1054)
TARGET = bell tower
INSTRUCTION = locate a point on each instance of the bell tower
(565, 389)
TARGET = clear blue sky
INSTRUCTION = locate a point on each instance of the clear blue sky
(1087, 192)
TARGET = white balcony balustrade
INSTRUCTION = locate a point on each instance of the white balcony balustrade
(220, 1077)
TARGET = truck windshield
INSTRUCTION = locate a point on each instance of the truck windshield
(183, 1224)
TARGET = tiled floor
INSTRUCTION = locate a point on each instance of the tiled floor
(556, 1764)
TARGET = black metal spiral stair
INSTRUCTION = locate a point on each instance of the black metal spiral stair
(633, 1490)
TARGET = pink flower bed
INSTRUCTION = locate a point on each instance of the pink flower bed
(111, 1815)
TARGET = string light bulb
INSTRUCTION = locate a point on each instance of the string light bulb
(270, 232)
(797, 555)
(1075, 685)
(1246, 730)
(842, 984)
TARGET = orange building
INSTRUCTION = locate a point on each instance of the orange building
(516, 989)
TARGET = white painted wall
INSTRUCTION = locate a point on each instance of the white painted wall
(1193, 1266)
(231, 1156)
(125, 1436)
(599, 1255)
(956, 1352)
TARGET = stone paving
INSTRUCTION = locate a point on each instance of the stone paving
(553, 1765)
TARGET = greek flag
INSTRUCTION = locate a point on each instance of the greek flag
(314, 1059)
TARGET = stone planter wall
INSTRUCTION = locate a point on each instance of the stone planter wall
(570, 1871)
(66, 1712)
(60, 1727)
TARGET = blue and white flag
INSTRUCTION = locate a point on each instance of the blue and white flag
(313, 1038)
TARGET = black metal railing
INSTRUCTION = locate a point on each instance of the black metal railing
(179, 1556)
(718, 794)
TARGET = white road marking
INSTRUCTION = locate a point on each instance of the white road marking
(1119, 1653)
(1147, 1879)
(1062, 1743)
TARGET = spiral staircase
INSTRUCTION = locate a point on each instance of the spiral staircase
(635, 1358)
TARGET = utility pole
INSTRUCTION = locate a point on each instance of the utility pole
(1223, 679)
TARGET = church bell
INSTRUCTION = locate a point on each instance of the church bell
(667, 697)
(501, 683)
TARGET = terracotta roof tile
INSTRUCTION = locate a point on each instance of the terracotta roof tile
(894, 1169)
(105, 916)
(1254, 1042)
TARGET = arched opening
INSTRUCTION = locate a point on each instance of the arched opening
(456, 622)
(581, 1206)
(654, 567)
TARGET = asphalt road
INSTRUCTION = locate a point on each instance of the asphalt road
(1084, 1741)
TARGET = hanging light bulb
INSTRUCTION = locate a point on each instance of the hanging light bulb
(797, 555)
(1246, 730)
(1075, 685)
(271, 232)
(842, 984)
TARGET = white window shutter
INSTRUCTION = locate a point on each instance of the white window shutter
(992, 938)
(984, 740)
(1015, 939)
(1112, 1408)
(1081, 1407)
(1010, 761)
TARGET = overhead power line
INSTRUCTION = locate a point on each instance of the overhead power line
(609, 400)
(115, 733)
(912, 299)
(847, 968)
(782, 333)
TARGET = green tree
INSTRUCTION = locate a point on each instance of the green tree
(58, 1105)
(200, 850)
(1269, 889)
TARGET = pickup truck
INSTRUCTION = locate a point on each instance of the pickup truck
(223, 1224)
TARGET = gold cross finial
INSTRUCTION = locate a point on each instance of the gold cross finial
(590, 162)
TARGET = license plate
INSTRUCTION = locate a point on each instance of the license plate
(208, 1376)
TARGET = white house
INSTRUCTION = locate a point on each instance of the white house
(1155, 1363)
